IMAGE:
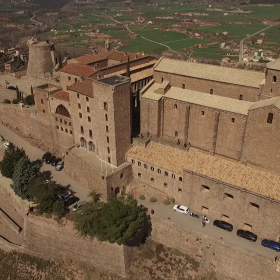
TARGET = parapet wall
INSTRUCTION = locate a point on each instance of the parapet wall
(228, 261)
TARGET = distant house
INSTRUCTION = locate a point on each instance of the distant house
(222, 45)
(259, 41)
(225, 33)
(258, 53)
(225, 60)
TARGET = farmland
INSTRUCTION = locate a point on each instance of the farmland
(179, 26)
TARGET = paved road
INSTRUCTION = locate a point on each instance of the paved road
(161, 210)
(242, 41)
(35, 153)
(165, 212)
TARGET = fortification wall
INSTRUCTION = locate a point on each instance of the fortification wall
(46, 238)
(228, 261)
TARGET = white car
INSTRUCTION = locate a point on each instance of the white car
(6, 144)
(77, 206)
(181, 209)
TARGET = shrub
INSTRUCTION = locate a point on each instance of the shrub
(166, 202)
(153, 199)
(142, 197)
(29, 100)
(15, 101)
(172, 200)
(7, 101)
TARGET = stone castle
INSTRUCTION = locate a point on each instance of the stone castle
(205, 135)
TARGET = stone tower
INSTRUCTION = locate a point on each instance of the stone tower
(42, 58)
(113, 112)
(107, 45)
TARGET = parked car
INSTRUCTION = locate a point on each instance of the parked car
(56, 161)
(6, 144)
(271, 244)
(11, 87)
(53, 161)
(50, 159)
(46, 156)
(223, 225)
(181, 209)
(65, 195)
(77, 206)
(59, 166)
(247, 235)
(71, 201)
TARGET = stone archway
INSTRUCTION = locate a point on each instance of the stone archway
(117, 191)
(83, 142)
(61, 110)
(91, 146)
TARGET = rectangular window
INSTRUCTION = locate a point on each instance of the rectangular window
(90, 133)
(87, 99)
(109, 159)
(80, 115)
(42, 101)
(79, 105)
(89, 119)
(108, 139)
(107, 128)
(69, 78)
(78, 95)
(108, 150)
(88, 110)
(82, 129)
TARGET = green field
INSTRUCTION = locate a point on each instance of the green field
(177, 45)
(125, 18)
(142, 45)
(26, 21)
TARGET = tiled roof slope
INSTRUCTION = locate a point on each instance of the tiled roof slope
(62, 95)
(84, 87)
(223, 169)
(211, 72)
(275, 65)
(78, 70)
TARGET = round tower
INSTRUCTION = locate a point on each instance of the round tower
(42, 58)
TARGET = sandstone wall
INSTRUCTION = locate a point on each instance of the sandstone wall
(229, 262)
(46, 238)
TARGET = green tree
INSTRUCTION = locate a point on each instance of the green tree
(7, 101)
(29, 100)
(45, 195)
(11, 156)
(116, 221)
(128, 68)
(25, 171)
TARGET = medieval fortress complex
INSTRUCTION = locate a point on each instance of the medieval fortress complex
(208, 136)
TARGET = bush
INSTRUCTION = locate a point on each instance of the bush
(7, 101)
(29, 100)
(166, 202)
(153, 199)
(172, 200)
(15, 101)
(142, 197)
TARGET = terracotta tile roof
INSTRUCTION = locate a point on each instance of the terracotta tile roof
(227, 170)
(91, 58)
(78, 70)
(275, 65)
(211, 72)
(114, 55)
(63, 95)
(84, 87)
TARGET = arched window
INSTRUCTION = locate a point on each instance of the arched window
(274, 79)
(240, 97)
(91, 146)
(175, 106)
(105, 106)
(270, 118)
(183, 86)
(211, 91)
(61, 110)
(83, 142)
(176, 133)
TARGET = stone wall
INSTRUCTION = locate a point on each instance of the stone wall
(228, 261)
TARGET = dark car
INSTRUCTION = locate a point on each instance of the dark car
(46, 156)
(247, 235)
(71, 201)
(51, 159)
(53, 162)
(224, 225)
(65, 195)
(56, 161)
(11, 87)
(271, 244)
